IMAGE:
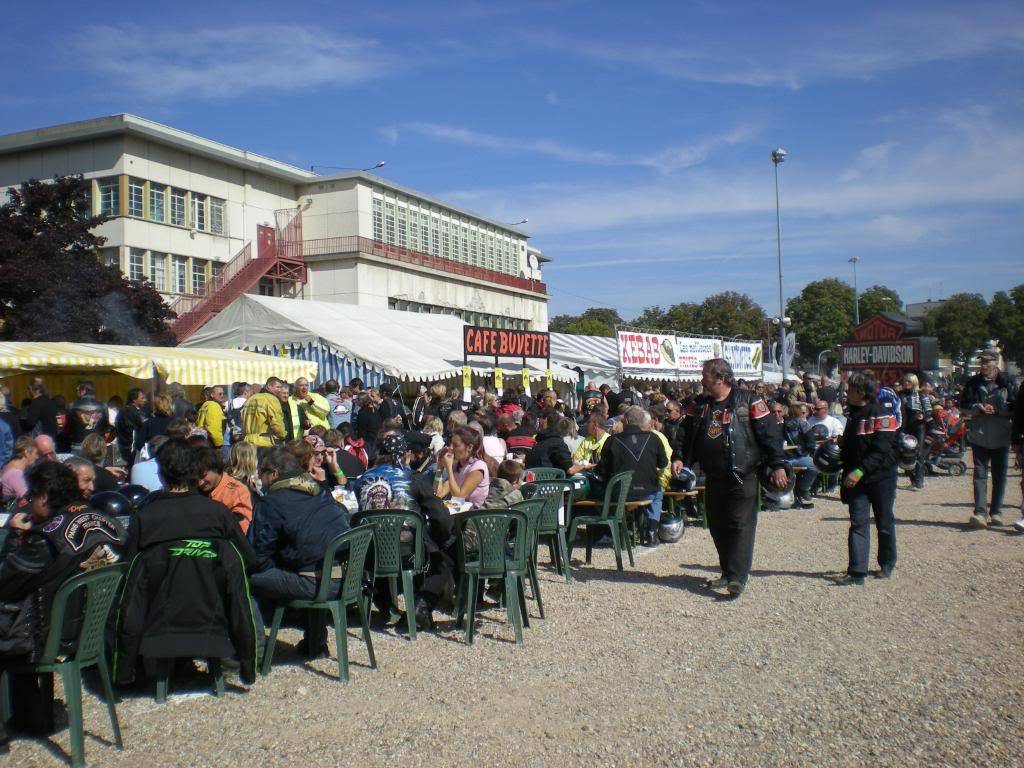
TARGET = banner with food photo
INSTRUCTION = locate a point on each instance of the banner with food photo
(646, 351)
(744, 357)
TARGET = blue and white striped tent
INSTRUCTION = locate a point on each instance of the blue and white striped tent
(596, 356)
(349, 340)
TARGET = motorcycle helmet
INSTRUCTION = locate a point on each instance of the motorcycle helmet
(818, 433)
(827, 458)
(765, 477)
(136, 494)
(686, 480)
(908, 447)
(671, 529)
(111, 503)
(780, 499)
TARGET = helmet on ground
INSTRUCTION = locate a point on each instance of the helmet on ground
(136, 494)
(671, 529)
(828, 458)
(686, 480)
(818, 433)
(111, 503)
(908, 447)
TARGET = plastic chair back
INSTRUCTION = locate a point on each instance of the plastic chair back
(494, 529)
(547, 473)
(101, 586)
(387, 541)
(357, 541)
(554, 492)
(533, 509)
(615, 495)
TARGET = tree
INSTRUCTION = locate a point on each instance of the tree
(732, 314)
(961, 324)
(822, 315)
(877, 299)
(52, 284)
(596, 321)
(682, 318)
(1006, 322)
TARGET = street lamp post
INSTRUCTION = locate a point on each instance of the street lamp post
(778, 156)
(856, 300)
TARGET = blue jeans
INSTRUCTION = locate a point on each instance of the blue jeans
(657, 500)
(879, 496)
(806, 478)
(999, 458)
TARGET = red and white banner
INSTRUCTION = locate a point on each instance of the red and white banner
(691, 354)
(647, 351)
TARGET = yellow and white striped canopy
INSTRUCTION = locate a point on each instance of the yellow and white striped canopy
(187, 366)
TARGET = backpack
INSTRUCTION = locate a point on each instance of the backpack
(889, 400)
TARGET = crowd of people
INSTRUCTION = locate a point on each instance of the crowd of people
(273, 473)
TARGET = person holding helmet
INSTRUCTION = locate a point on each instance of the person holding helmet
(868, 451)
(731, 434)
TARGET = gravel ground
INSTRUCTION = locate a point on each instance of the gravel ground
(644, 668)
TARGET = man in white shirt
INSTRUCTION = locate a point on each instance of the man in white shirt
(820, 415)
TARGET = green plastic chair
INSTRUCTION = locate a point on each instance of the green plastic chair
(496, 530)
(533, 509)
(101, 588)
(555, 492)
(546, 473)
(387, 554)
(351, 593)
(612, 517)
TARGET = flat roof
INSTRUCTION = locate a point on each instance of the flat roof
(371, 178)
(112, 125)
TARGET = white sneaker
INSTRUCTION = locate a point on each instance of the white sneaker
(1018, 524)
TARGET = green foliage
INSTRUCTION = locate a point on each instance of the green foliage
(822, 315)
(877, 299)
(681, 318)
(961, 324)
(733, 314)
(52, 284)
(1006, 322)
(596, 321)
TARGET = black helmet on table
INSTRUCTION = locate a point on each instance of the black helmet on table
(136, 494)
(671, 528)
(112, 503)
(828, 458)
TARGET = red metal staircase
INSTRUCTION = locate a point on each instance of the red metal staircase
(243, 272)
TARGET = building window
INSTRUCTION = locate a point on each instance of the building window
(198, 275)
(216, 216)
(110, 197)
(465, 244)
(179, 274)
(178, 207)
(389, 223)
(156, 203)
(414, 230)
(445, 243)
(378, 219)
(136, 196)
(157, 267)
(136, 263)
(199, 212)
(424, 232)
(110, 257)
(435, 236)
(402, 228)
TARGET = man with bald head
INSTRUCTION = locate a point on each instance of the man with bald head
(47, 448)
(308, 409)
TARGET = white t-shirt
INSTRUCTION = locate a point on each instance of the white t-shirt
(494, 447)
(834, 425)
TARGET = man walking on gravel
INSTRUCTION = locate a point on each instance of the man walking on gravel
(730, 435)
(869, 478)
(989, 398)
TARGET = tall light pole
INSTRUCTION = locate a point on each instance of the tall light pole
(778, 156)
(856, 300)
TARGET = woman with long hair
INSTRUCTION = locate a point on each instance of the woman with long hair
(242, 466)
(465, 474)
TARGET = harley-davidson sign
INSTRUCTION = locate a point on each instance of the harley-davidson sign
(886, 342)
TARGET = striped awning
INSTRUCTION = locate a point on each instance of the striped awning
(185, 366)
(592, 354)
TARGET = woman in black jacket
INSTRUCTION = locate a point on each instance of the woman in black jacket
(157, 424)
(869, 478)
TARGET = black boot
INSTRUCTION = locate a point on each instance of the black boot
(650, 536)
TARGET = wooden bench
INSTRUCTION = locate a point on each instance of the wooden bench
(631, 507)
(676, 496)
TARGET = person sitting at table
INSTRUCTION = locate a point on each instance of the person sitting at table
(392, 484)
(215, 482)
(12, 478)
(799, 449)
(504, 491)
(521, 439)
(57, 536)
(94, 450)
(293, 523)
(550, 449)
(463, 473)
(319, 461)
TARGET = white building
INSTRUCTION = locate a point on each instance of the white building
(195, 218)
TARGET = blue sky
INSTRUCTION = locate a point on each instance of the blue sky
(634, 136)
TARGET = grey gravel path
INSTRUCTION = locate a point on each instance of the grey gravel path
(643, 668)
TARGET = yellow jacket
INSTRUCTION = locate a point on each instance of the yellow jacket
(211, 418)
(666, 473)
(263, 420)
(316, 414)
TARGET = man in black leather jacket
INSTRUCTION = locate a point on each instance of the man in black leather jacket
(730, 434)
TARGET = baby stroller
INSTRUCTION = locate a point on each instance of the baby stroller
(946, 447)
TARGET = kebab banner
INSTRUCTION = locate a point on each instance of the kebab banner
(647, 351)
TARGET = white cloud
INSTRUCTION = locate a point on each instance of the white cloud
(667, 160)
(390, 134)
(897, 228)
(863, 46)
(221, 63)
(869, 160)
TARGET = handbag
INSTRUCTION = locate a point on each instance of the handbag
(19, 626)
